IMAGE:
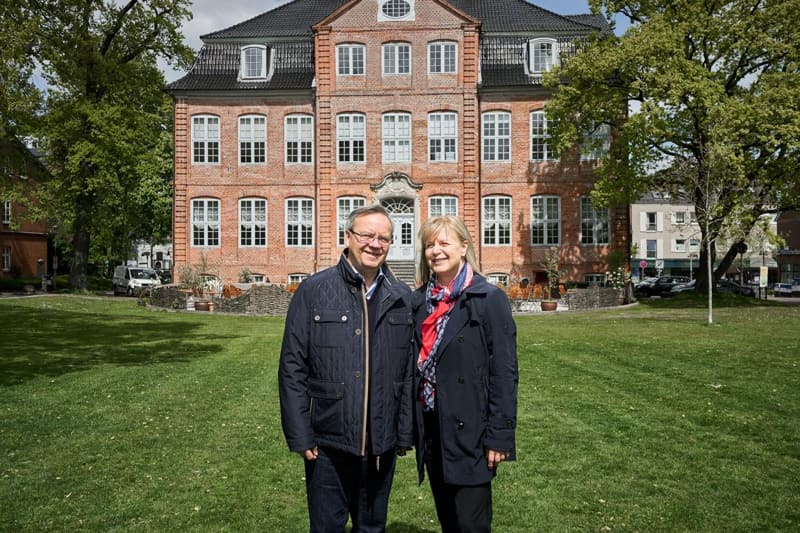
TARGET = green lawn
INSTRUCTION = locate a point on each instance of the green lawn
(118, 418)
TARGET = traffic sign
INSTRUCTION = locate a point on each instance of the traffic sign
(642, 264)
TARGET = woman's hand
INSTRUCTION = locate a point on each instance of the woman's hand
(494, 458)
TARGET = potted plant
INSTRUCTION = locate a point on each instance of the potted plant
(552, 267)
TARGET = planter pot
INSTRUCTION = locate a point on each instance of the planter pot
(549, 305)
(201, 306)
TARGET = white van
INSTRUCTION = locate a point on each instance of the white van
(129, 278)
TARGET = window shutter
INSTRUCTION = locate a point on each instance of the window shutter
(660, 248)
(660, 221)
(643, 248)
(643, 221)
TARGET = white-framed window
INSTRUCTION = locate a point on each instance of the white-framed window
(694, 245)
(651, 250)
(541, 149)
(391, 10)
(442, 136)
(543, 55)
(296, 279)
(253, 62)
(344, 205)
(596, 142)
(252, 222)
(350, 137)
(6, 212)
(6, 258)
(442, 57)
(679, 245)
(496, 220)
(498, 278)
(299, 222)
(205, 222)
(205, 139)
(545, 220)
(595, 280)
(594, 223)
(651, 221)
(299, 136)
(679, 217)
(396, 132)
(396, 59)
(442, 206)
(350, 59)
(496, 136)
(252, 139)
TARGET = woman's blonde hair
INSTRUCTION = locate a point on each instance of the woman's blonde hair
(455, 227)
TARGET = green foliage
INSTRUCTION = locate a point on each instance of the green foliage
(716, 111)
(105, 119)
(117, 418)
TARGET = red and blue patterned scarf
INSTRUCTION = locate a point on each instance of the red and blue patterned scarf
(440, 301)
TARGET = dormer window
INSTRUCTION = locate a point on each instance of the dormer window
(396, 10)
(254, 62)
(542, 55)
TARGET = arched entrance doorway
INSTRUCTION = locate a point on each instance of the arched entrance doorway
(401, 211)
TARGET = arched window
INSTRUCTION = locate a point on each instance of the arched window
(253, 62)
(496, 220)
(542, 55)
(496, 136)
(205, 139)
(344, 205)
(252, 139)
(252, 222)
(545, 220)
(205, 222)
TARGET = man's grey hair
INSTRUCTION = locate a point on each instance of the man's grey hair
(367, 210)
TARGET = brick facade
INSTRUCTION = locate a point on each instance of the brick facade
(373, 94)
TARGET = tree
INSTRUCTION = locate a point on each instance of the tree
(715, 117)
(103, 117)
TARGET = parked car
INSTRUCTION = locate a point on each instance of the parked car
(682, 287)
(662, 286)
(129, 278)
(782, 289)
(644, 282)
(726, 285)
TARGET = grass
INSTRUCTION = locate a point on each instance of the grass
(119, 418)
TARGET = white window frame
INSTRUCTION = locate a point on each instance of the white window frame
(253, 222)
(595, 142)
(396, 133)
(6, 212)
(496, 229)
(299, 134)
(344, 205)
(351, 59)
(206, 134)
(383, 17)
(6, 258)
(545, 221)
(299, 221)
(679, 217)
(253, 139)
(594, 222)
(442, 205)
(652, 221)
(351, 138)
(249, 52)
(443, 57)
(679, 245)
(498, 278)
(496, 132)
(651, 252)
(396, 59)
(297, 278)
(540, 138)
(537, 63)
(205, 229)
(442, 132)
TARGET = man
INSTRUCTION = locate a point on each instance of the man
(345, 379)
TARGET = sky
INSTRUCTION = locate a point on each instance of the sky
(213, 15)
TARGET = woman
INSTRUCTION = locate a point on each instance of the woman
(466, 377)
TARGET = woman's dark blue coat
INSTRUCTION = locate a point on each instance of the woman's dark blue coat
(477, 378)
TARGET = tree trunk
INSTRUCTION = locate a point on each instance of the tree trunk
(80, 243)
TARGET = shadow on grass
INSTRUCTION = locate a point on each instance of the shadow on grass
(52, 342)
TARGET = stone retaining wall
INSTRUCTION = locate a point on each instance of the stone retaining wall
(259, 300)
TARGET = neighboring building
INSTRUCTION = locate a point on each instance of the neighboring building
(158, 256)
(666, 237)
(788, 259)
(24, 251)
(289, 120)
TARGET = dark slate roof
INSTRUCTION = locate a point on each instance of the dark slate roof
(286, 30)
(217, 68)
(509, 16)
(289, 20)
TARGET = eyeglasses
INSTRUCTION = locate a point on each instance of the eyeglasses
(366, 238)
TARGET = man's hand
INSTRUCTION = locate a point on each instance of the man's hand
(494, 458)
(310, 454)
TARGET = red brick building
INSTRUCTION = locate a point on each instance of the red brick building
(289, 120)
(23, 242)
